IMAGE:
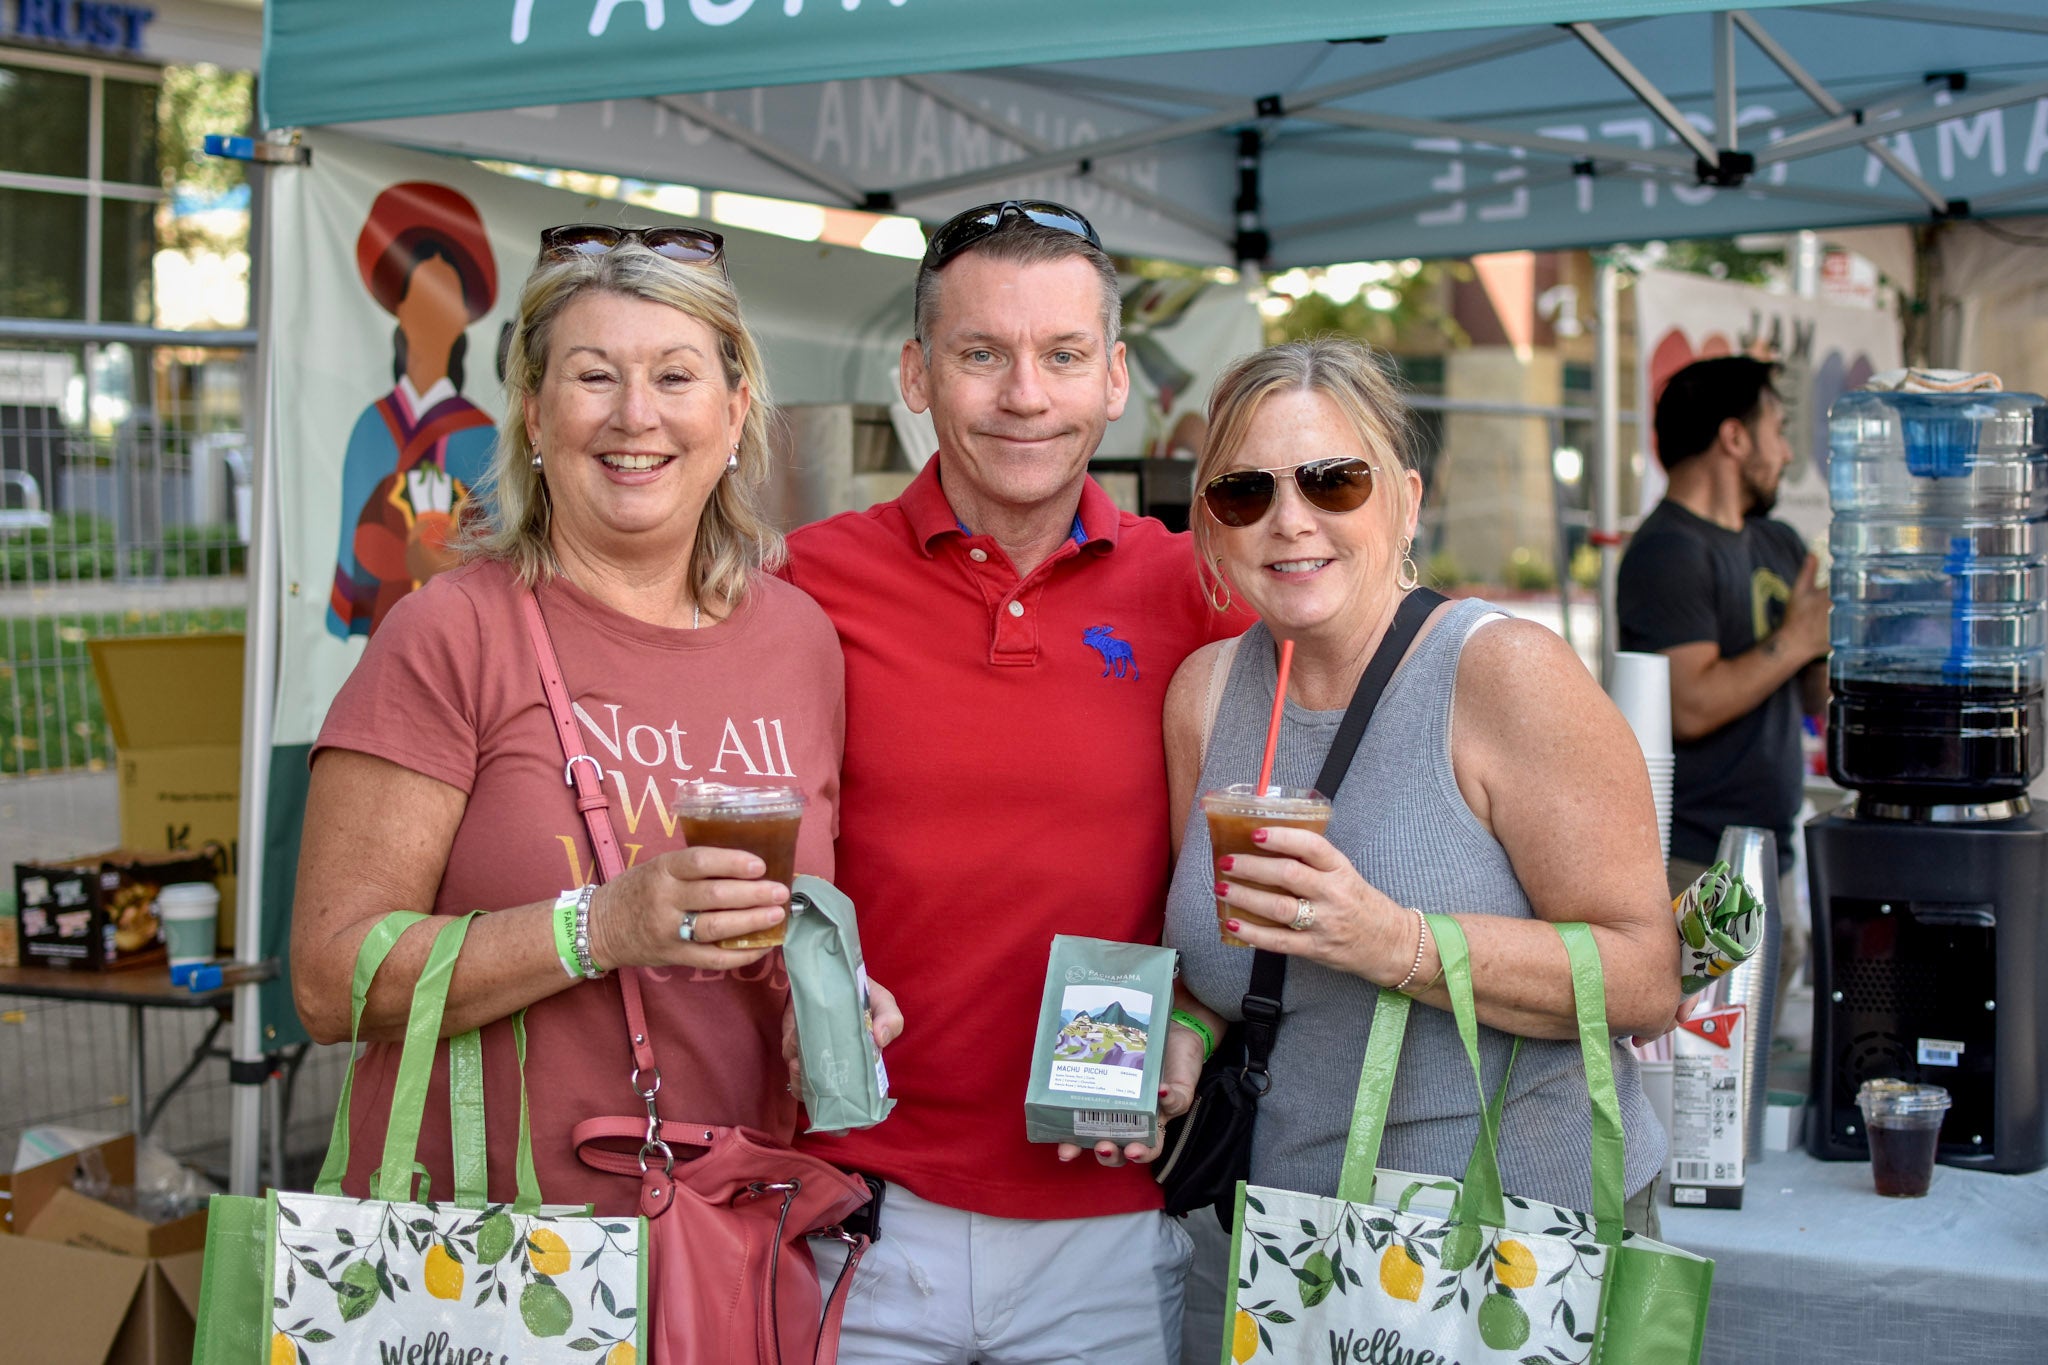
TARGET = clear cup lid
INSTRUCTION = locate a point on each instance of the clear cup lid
(1249, 796)
(1901, 1097)
(708, 798)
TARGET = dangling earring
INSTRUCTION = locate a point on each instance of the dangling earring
(536, 460)
(1219, 582)
(1408, 580)
(732, 461)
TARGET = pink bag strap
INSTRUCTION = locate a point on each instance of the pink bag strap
(582, 772)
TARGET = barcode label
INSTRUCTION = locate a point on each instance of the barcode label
(1689, 1170)
(1940, 1052)
(1099, 1123)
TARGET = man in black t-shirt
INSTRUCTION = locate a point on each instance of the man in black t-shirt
(1729, 596)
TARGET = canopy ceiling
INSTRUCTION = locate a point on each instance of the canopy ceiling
(1213, 130)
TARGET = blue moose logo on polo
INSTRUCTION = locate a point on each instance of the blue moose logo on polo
(1116, 654)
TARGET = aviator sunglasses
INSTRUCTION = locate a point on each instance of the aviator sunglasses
(691, 246)
(1244, 496)
(963, 230)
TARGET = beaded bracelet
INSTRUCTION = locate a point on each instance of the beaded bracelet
(1421, 947)
(1198, 1028)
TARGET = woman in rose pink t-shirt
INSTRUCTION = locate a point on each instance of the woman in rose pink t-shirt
(624, 492)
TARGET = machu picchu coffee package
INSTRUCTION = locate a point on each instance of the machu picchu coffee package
(1100, 1044)
(845, 1084)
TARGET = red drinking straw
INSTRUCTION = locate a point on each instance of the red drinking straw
(1273, 725)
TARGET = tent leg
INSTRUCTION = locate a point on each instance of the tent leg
(248, 1067)
(1606, 489)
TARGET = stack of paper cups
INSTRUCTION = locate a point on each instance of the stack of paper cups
(1642, 691)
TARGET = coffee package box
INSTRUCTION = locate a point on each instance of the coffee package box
(845, 1084)
(1096, 1058)
(99, 913)
(1709, 1118)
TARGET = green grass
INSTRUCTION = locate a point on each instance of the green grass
(50, 712)
(79, 547)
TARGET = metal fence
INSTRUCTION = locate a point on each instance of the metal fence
(124, 510)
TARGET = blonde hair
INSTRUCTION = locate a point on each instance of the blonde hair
(734, 535)
(1359, 380)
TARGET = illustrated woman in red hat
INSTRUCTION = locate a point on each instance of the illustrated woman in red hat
(416, 452)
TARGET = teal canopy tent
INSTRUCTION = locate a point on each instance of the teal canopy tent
(1222, 131)
(1298, 133)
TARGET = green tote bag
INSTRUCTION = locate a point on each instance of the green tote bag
(299, 1279)
(1397, 1265)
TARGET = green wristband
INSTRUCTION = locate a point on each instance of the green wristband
(564, 920)
(1198, 1028)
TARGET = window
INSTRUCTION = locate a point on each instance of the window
(79, 188)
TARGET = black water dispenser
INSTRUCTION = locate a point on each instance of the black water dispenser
(1929, 888)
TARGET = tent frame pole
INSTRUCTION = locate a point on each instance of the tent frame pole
(1229, 117)
(1823, 140)
(1833, 107)
(1645, 90)
(259, 691)
(1606, 490)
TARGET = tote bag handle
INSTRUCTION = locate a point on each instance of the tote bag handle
(394, 1178)
(1481, 1200)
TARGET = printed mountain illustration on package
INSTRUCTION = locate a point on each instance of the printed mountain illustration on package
(1111, 1038)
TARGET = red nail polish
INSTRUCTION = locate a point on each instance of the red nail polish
(1233, 926)
(1258, 836)
(1222, 890)
(1225, 863)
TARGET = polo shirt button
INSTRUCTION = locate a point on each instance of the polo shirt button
(978, 556)
(1016, 608)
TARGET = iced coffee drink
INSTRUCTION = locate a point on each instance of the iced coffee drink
(762, 821)
(1235, 811)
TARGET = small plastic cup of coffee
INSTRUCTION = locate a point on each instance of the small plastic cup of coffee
(1237, 810)
(762, 821)
(1903, 1121)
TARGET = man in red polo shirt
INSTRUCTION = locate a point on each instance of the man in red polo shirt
(1009, 635)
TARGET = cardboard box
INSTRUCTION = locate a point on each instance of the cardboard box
(92, 1303)
(99, 913)
(26, 1192)
(174, 703)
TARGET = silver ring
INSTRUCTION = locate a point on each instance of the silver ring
(688, 931)
(1304, 914)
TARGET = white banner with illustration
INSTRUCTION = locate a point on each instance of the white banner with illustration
(1826, 349)
(394, 280)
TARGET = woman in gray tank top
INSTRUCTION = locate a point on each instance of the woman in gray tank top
(1496, 783)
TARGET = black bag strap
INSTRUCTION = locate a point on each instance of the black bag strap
(1260, 1008)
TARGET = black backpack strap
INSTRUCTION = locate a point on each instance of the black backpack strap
(1260, 1007)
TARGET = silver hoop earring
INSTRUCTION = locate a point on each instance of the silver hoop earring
(732, 461)
(1408, 579)
(1219, 581)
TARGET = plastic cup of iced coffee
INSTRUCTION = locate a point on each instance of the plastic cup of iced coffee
(1904, 1124)
(762, 821)
(1234, 812)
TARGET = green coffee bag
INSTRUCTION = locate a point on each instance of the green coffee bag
(1100, 1044)
(845, 1084)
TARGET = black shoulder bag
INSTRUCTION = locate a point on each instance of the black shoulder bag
(1209, 1148)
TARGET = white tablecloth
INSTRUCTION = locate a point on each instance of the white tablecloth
(1816, 1266)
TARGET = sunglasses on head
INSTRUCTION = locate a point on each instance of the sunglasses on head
(963, 230)
(691, 246)
(1243, 496)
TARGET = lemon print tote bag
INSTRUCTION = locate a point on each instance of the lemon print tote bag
(400, 1276)
(1400, 1266)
